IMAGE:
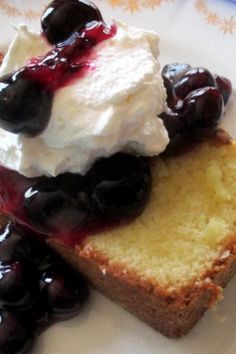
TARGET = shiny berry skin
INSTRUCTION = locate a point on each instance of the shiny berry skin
(16, 334)
(63, 291)
(18, 285)
(196, 118)
(119, 185)
(196, 101)
(172, 123)
(191, 80)
(25, 106)
(202, 111)
(36, 287)
(171, 74)
(57, 204)
(26, 248)
(64, 17)
(174, 72)
(225, 87)
(172, 99)
(13, 247)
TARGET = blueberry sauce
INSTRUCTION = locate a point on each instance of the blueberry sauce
(196, 100)
(36, 289)
(36, 286)
(13, 187)
(71, 206)
(70, 60)
(26, 96)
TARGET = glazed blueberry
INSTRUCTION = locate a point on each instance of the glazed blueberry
(174, 72)
(35, 253)
(197, 117)
(18, 285)
(25, 106)
(196, 102)
(16, 334)
(26, 248)
(119, 185)
(225, 87)
(64, 17)
(172, 123)
(39, 255)
(171, 100)
(202, 111)
(63, 291)
(57, 204)
(12, 245)
(193, 79)
(171, 74)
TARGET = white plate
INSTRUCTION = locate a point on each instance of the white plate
(199, 32)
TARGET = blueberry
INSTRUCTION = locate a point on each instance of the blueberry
(202, 111)
(63, 291)
(172, 99)
(196, 101)
(57, 204)
(174, 72)
(25, 106)
(196, 118)
(172, 123)
(193, 79)
(40, 255)
(24, 247)
(16, 335)
(64, 17)
(225, 87)
(18, 285)
(119, 185)
(12, 245)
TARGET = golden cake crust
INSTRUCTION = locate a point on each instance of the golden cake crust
(172, 313)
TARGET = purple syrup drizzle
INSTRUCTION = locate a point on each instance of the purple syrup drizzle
(69, 60)
(12, 190)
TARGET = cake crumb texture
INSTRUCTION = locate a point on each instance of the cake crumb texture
(187, 223)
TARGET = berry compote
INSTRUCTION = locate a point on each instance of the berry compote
(26, 95)
(36, 289)
(36, 286)
(196, 102)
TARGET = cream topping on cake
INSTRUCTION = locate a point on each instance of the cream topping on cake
(114, 107)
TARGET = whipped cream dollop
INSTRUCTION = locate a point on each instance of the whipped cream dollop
(113, 108)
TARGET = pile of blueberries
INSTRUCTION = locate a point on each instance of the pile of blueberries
(195, 97)
(196, 101)
(115, 188)
(26, 95)
(118, 187)
(36, 289)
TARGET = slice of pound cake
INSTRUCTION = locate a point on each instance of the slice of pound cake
(170, 264)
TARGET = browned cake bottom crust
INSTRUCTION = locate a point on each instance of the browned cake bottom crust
(172, 315)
